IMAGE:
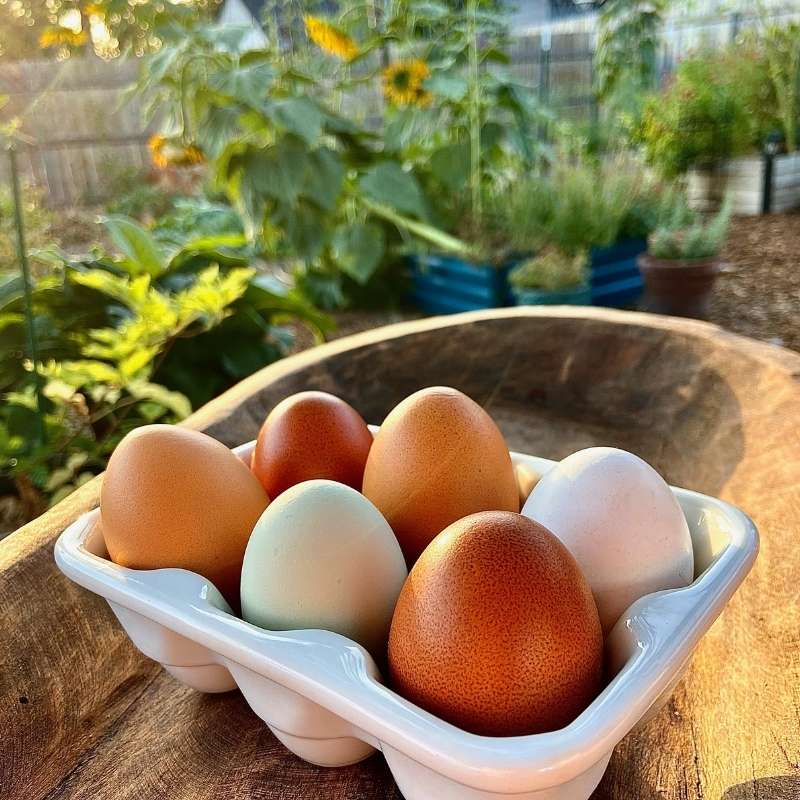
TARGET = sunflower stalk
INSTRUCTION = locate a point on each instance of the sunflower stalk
(474, 113)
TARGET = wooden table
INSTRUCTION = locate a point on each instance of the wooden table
(83, 715)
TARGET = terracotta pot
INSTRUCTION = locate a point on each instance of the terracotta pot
(679, 287)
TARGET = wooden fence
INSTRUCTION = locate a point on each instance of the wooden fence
(82, 135)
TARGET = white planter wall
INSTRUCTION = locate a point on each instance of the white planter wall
(743, 179)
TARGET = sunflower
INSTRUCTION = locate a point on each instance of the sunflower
(172, 152)
(56, 36)
(156, 144)
(402, 83)
(330, 39)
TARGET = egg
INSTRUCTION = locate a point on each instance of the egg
(174, 497)
(322, 556)
(527, 478)
(437, 457)
(307, 436)
(496, 630)
(622, 523)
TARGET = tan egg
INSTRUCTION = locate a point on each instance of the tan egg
(437, 457)
(496, 630)
(527, 478)
(174, 497)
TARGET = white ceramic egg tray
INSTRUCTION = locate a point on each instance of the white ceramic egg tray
(321, 694)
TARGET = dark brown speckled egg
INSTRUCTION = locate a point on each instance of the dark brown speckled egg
(496, 630)
(310, 436)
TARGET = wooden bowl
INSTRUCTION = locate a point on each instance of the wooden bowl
(83, 714)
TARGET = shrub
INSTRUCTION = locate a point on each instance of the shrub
(575, 207)
(552, 270)
(700, 119)
(143, 336)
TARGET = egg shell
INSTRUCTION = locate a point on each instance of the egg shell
(437, 458)
(322, 556)
(496, 630)
(622, 523)
(174, 497)
(311, 435)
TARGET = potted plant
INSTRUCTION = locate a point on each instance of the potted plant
(682, 261)
(552, 278)
(572, 218)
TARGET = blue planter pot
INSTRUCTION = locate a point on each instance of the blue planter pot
(447, 284)
(614, 276)
(579, 296)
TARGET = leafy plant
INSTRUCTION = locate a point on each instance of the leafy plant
(552, 270)
(700, 119)
(467, 121)
(139, 337)
(781, 45)
(685, 235)
(574, 207)
(313, 186)
(628, 36)
(38, 224)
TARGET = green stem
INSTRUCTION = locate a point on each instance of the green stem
(440, 239)
(474, 114)
(22, 252)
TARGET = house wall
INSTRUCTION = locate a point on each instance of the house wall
(235, 12)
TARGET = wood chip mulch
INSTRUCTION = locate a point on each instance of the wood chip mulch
(759, 295)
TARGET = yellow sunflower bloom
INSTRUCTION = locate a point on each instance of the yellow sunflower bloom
(56, 36)
(167, 152)
(402, 83)
(156, 144)
(330, 39)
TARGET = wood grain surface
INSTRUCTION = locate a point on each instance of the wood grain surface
(84, 715)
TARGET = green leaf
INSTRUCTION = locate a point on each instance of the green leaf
(448, 85)
(389, 184)
(450, 165)
(278, 171)
(174, 401)
(324, 178)
(248, 84)
(300, 116)
(358, 249)
(142, 252)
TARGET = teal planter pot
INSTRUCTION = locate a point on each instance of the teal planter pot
(579, 296)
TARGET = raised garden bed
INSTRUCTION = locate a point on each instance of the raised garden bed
(754, 186)
(447, 284)
(614, 276)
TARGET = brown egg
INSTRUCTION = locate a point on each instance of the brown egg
(308, 436)
(174, 497)
(437, 457)
(496, 630)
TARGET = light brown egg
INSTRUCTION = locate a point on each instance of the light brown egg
(174, 497)
(309, 436)
(496, 630)
(437, 457)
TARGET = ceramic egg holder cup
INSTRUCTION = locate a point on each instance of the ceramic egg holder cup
(321, 694)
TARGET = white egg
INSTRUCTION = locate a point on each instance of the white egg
(622, 523)
(322, 556)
